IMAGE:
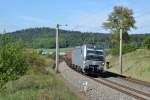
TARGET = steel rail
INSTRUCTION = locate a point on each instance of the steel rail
(147, 95)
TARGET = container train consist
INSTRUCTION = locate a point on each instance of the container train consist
(88, 58)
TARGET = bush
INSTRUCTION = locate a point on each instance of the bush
(126, 49)
(37, 63)
(146, 42)
(114, 51)
(34, 59)
(12, 60)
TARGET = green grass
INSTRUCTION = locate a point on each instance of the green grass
(53, 50)
(135, 64)
(37, 84)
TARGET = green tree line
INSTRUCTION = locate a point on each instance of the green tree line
(45, 38)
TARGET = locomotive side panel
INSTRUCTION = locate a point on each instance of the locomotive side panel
(77, 56)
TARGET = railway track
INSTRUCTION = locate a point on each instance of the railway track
(136, 81)
(130, 79)
(127, 81)
(138, 94)
(124, 89)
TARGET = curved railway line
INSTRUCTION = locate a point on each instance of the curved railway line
(135, 81)
(130, 79)
(126, 89)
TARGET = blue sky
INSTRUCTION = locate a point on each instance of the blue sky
(81, 15)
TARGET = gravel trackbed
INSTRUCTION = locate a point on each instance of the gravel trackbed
(91, 89)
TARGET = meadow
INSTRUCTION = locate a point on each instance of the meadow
(39, 83)
(136, 64)
(53, 50)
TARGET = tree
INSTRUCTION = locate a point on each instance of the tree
(113, 23)
(146, 42)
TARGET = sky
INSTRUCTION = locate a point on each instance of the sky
(79, 15)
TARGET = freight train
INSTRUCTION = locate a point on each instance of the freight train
(87, 58)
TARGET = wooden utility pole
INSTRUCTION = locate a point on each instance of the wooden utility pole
(57, 49)
(120, 58)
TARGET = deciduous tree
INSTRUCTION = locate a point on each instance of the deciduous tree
(114, 23)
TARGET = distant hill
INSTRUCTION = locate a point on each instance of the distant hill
(45, 38)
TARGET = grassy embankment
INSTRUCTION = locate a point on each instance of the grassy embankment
(135, 64)
(39, 83)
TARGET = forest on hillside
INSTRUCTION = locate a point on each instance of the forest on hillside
(45, 38)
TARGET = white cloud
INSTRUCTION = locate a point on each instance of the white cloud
(93, 21)
(89, 21)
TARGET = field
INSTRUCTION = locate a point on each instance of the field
(135, 64)
(53, 50)
(39, 83)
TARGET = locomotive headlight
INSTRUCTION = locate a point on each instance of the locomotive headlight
(103, 63)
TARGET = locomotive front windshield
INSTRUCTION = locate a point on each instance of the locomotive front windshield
(95, 55)
(95, 52)
(95, 58)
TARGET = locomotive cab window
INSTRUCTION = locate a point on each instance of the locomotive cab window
(94, 52)
(96, 58)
